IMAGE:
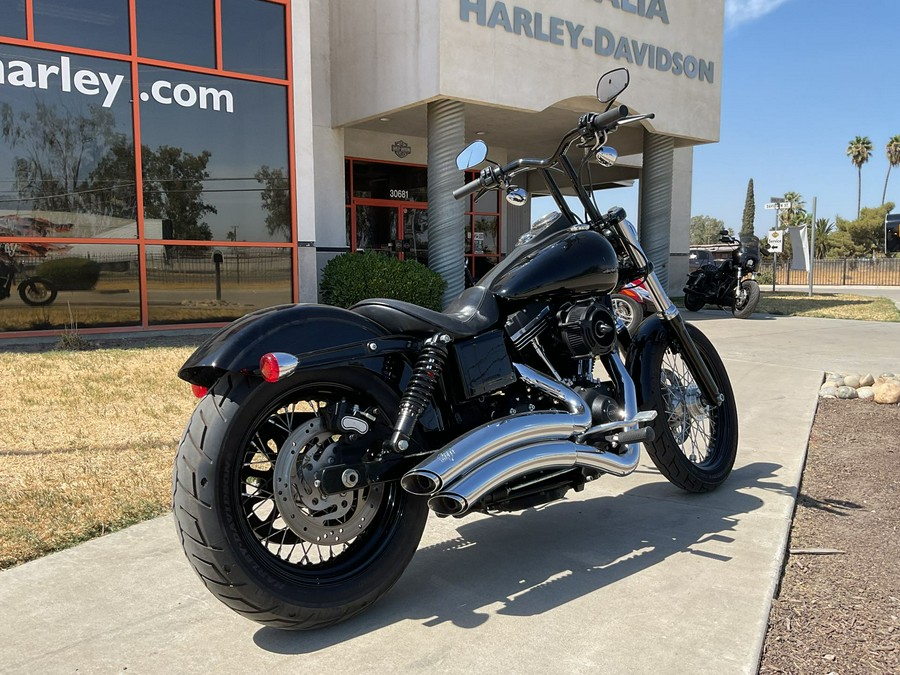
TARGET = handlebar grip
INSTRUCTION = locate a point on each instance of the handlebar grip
(605, 120)
(467, 189)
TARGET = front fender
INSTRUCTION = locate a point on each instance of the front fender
(652, 330)
(295, 329)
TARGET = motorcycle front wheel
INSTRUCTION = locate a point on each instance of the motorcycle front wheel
(747, 299)
(696, 444)
(36, 292)
(252, 521)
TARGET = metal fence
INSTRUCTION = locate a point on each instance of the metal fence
(839, 272)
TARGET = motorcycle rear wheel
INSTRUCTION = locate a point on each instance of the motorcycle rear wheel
(747, 299)
(693, 302)
(629, 310)
(695, 444)
(292, 564)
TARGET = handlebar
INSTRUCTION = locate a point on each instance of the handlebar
(603, 121)
(467, 189)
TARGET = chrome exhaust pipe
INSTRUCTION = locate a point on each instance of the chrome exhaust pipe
(495, 438)
(464, 493)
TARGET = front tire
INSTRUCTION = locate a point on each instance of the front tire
(695, 444)
(747, 299)
(260, 536)
(693, 302)
(37, 292)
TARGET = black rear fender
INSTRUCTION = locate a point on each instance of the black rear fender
(318, 335)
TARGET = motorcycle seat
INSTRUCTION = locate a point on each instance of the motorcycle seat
(474, 311)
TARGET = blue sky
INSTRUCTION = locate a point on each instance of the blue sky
(801, 79)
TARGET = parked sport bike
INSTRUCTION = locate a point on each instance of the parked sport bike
(731, 284)
(34, 291)
(324, 436)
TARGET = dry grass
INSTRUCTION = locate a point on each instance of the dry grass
(88, 442)
(829, 306)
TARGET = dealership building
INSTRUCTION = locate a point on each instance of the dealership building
(171, 163)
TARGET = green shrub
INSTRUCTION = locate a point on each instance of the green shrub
(70, 274)
(351, 277)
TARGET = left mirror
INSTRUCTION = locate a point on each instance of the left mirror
(473, 155)
(612, 84)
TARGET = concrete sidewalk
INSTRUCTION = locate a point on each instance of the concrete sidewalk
(630, 575)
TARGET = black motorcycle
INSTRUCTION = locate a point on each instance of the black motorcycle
(324, 436)
(730, 284)
(34, 291)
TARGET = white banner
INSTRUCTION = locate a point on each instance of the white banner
(799, 248)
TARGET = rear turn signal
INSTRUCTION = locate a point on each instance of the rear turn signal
(276, 366)
(198, 390)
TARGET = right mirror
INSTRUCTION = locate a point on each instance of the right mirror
(473, 155)
(612, 84)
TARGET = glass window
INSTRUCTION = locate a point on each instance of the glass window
(215, 157)
(12, 18)
(66, 146)
(48, 286)
(194, 289)
(397, 182)
(181, 31)
(92, 24)
(253, 37)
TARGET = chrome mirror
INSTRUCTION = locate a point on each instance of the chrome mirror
(473, 155)
(607, 156)
(612, 84)
(516, 196)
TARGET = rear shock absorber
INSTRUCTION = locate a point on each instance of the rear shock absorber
(424, 379)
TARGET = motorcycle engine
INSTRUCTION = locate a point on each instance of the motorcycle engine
(588, 328)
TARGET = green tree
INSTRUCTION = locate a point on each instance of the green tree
(893, 157)
(749, 212)
(173, 190)
(824, 229)
(276, 200)
(863, 236)
(859, 150)
(705, 229)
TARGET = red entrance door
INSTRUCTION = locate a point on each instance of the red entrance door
(395, 228)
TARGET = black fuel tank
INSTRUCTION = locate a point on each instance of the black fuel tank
(572, 262)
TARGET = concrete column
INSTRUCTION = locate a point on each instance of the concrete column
(656, 201)
(446, 215)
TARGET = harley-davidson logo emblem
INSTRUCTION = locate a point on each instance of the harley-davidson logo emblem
(401, 149)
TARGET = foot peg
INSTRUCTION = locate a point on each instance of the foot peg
(640, 420)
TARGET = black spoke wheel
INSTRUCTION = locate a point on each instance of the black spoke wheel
(696, 443)
(747, 299)
(35, 291)
(255, 525)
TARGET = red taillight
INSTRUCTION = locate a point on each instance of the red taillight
(269, 368)
(198, 390)
(276, 366)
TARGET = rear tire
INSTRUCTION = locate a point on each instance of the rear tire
(37, 292)
(695, 444)
(290, 563)
(693, 302)
(747, 299)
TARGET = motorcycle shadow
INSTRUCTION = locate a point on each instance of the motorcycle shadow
(527, 563)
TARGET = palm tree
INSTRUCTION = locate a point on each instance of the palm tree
(824, 228)
(858, 151)
(893, 155)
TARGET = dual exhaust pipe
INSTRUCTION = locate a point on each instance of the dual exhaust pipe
(459, 475)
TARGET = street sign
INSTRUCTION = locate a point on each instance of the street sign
(780, 206)
(776, 241)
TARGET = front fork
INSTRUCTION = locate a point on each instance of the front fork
(669, 314)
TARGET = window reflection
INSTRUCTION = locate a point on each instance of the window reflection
(93, 24)
(196, 289)
(66, 157)
(47, 286)
(253, 37)
(181, 31)
(397, 182)
(215, 156)
(12, 18)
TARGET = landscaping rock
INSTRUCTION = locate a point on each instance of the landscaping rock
(852, 381)
(865, 393)
(846, 392)
(828, 391)
(867, 380)
(887, 392)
